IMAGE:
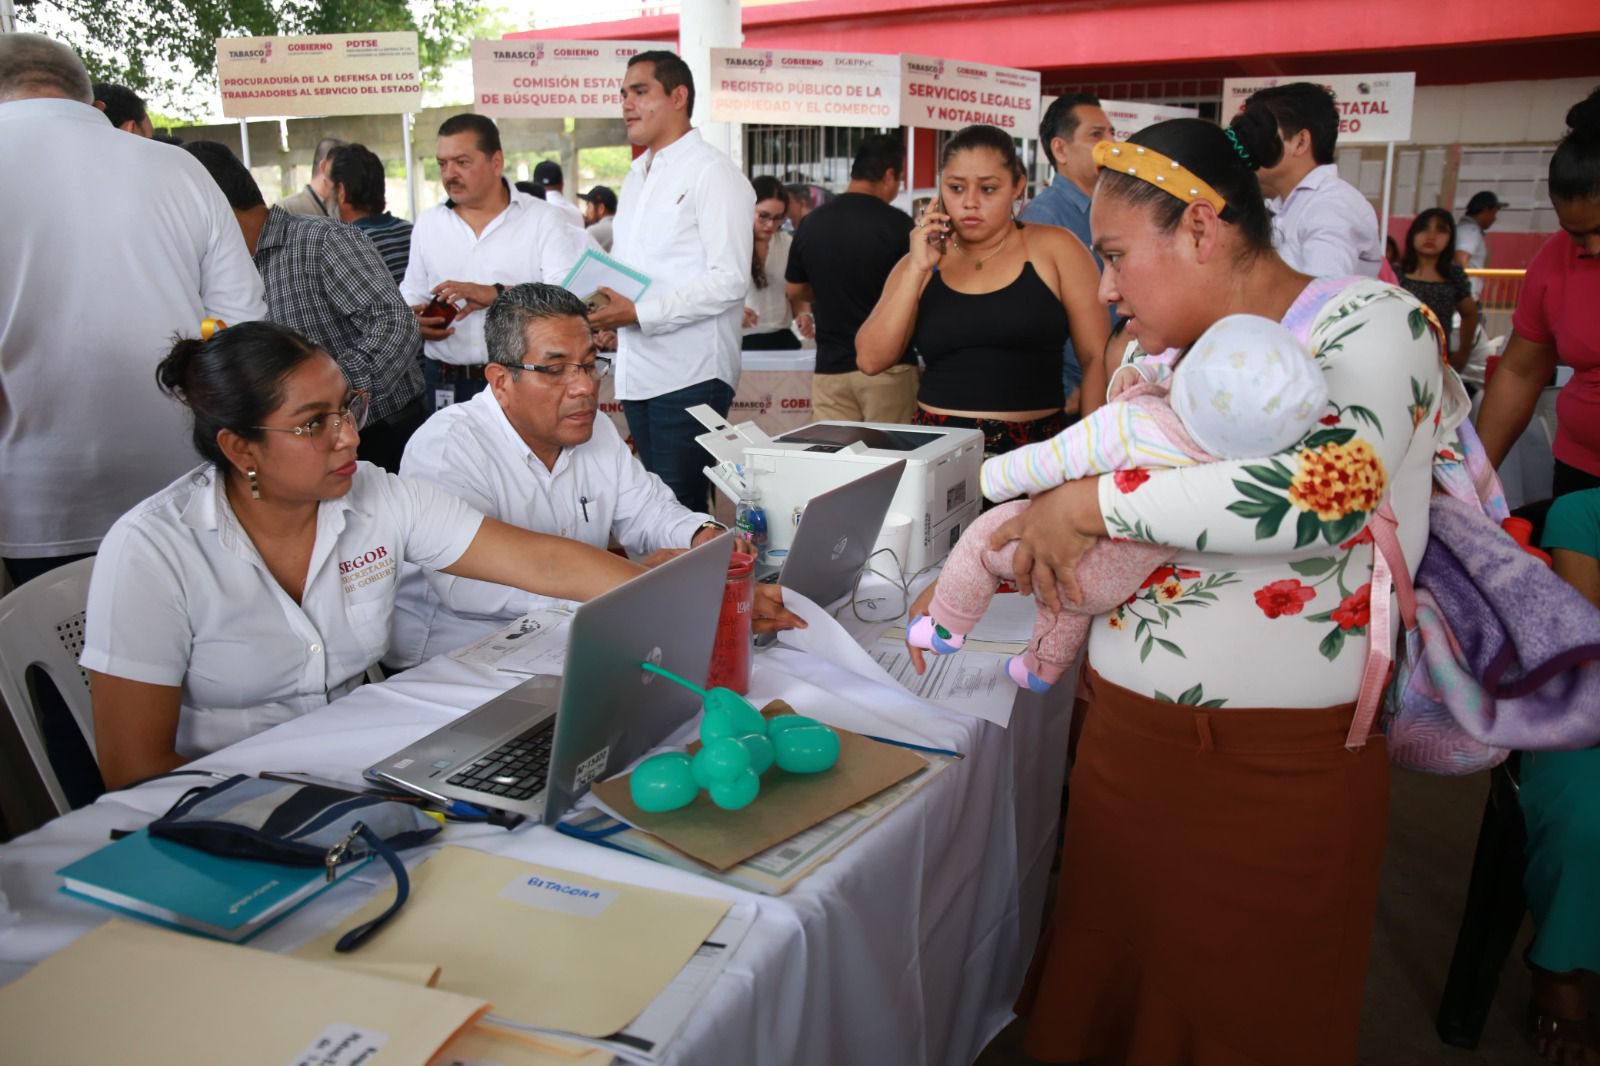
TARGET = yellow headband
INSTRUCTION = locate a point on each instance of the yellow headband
(1147, 164)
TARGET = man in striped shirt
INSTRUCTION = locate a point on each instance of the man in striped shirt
(326, 281)
(358, 190)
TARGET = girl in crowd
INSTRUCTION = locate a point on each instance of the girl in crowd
(767, 313)
(987, 301)
(261, 585)
(1222, 848)
(1556, 321)
(1429, 271)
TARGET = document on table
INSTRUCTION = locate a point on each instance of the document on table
(1007, 626)
(594, 269)
(601, 951)
(110, 996)
(486, 1044)
(776, 870)
(533, 644)
(971, 682)
(645, 1038)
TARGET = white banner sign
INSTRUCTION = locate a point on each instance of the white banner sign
(1129, 117)
(552, 79)
(947, 94)
(1373, 108)
(329, 74)
(804, 88)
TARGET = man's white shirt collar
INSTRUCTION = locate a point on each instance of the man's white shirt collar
(1314, 180)
(666, 155)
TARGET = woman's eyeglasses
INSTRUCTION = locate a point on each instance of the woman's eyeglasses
(762, 216)
(325, 428)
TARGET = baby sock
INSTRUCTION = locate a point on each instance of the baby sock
(1026, 671)
(925, 633)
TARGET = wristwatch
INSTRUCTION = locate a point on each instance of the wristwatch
(499, 289)
(703, 526)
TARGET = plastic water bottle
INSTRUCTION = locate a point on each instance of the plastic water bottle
(750, 518)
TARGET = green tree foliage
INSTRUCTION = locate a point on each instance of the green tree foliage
(152, 46)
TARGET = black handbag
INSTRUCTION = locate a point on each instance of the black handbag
(300, 825)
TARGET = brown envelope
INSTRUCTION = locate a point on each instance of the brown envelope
(588, 968)
(789, 804)
(136, 995)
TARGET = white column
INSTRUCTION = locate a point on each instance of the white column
(702, 26)
(8, 17)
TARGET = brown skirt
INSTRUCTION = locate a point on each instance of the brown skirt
(1219, 879)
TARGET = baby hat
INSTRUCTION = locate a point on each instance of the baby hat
(1248, 388)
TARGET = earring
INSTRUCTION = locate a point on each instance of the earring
(255, 486)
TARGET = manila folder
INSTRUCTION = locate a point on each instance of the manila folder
(548, 948)
(136, 995)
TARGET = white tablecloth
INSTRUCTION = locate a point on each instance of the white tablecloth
(907, 948)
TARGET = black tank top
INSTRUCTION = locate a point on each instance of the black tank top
(993, 351)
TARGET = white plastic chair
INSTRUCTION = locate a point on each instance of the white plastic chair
(41, 625)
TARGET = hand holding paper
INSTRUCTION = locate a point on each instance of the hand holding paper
(598, 275)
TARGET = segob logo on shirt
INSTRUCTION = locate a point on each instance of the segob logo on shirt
(364, 560)
(366, 568)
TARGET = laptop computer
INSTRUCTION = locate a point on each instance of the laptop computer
(837, 531)
(532, 751)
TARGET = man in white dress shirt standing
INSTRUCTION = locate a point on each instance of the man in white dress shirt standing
(486, 236)
(1321, 224)
(683, 219)
(531, 450)
(92, 290)
(96, 276)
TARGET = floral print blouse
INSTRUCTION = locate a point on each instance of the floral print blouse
(1266, 603)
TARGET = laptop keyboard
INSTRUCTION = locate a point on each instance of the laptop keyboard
(515, 770)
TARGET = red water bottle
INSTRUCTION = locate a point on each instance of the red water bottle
(730, 654)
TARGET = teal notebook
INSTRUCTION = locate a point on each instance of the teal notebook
(185, 888)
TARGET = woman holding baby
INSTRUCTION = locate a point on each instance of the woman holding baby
(1222, 847)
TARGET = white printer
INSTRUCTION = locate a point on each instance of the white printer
(939, 489)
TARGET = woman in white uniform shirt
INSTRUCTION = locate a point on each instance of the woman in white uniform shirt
(260, 585)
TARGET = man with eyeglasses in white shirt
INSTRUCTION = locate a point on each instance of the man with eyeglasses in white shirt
(684, 220)
(532, 450)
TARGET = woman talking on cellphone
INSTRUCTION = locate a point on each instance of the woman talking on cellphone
(988, 302)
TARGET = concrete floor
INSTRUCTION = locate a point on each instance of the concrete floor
(1432, 832)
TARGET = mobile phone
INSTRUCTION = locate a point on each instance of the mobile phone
(441, 308)
(940, 239)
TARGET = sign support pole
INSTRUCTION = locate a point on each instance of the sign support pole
(911, 164)
(1388, 187)
(411, 179)
(244, 142)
